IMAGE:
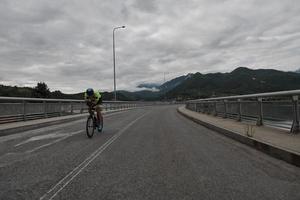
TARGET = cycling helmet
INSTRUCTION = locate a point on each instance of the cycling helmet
(90, 92)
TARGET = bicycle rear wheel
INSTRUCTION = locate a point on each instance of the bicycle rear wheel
(90, 127)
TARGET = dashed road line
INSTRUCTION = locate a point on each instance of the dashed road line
(77, 170)
(53, 142)
(38, 130)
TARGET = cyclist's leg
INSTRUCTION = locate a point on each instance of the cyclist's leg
(99, 115)
(90, 110)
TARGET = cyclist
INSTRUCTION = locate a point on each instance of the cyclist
(94, 99)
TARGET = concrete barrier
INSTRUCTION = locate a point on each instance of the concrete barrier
(270, 149)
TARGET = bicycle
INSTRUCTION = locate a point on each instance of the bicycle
(92, 124)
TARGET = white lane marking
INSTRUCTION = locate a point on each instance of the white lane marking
(49, 136)
(23, 154)
(48, 128)
(55, 141)
(71, 175)
(42, 137)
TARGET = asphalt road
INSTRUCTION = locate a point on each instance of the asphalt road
(146, 153)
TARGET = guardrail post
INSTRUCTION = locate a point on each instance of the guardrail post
(260, 112)
(24, 110)
(225, 108)
(72, 109)
(208, 107)
(295, 127)
(211, 108)
(215, 109)
(239, 110)
(60, 108)
(45, 109)
(81, 107)
(198, 107)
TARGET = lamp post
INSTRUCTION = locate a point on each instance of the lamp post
(114, 60)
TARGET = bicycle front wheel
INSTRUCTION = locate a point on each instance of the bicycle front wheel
(90, 127)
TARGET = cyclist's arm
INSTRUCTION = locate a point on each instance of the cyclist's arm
(98, 99)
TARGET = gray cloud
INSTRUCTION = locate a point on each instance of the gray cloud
(68, 44)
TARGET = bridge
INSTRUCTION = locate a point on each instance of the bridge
(240, 147)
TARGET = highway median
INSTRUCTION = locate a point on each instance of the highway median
(17, 127)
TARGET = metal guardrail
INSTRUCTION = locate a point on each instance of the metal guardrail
(13, 109)
(279, 109)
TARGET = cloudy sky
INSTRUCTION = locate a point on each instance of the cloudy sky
(68, 44)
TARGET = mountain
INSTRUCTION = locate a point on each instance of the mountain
(191, 86)
(169, 85)
(143, 95)
(153, 91)
(240, 81)
(14, 91)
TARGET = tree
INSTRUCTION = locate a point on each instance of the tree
(57, 94)
(41, 90)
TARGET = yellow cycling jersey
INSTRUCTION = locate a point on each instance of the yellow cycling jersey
(95, 99)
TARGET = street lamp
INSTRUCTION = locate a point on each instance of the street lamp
(114, 60)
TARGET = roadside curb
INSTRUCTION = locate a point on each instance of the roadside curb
(23, 128)
(274, 151)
